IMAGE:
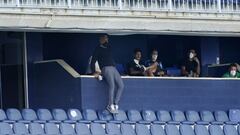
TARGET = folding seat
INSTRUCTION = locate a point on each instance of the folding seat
(186, 130)
(234, 115)
(60, 115)
(20, 129)
(172, 130)
(5, 129)
(157, 129)
(3, 117)
(121, 116)
(201, 130)
(97, 129)
(127, 129)
(208, 117)
(91, 115)
(113, 129)
(82, 129)
(221, 116)
(192, 116)
(74, 115)
(66, 129)
(51, 129)
(135, 116)
(215, 130)
(142, 129)
(179, 117)
(15, 115)
(105, 115)
(230, 130)
(45, 115)
(163, 116)
(35, 129)
(149, 116)
(30, 115)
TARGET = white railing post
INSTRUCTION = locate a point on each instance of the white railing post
(69, 2)
(170, 5)
(17, 3)
(219, 6)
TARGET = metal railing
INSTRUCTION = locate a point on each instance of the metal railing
(206, 6)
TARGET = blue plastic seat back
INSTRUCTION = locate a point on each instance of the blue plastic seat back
(90, 114)
(20, 129)
(44, 114)
(157, 129)
(51, 129)
(230, 130)
(3, 115)
(97, 129)
(201, 130)
(178, 116)
(234, 115)
(5, 129)
(14, 114)
(59, 114)
(207, 116)
(164, 116)
(142, 129)
(127, 129)
(113, 129)
(74, 114)
(192, 116)
(134, 115)
(215, 130)
(66, 129)
(172, 130)
(29, 114)
(82, 129)
(36, 129)
(120, 116)
(149, 115)
(186, 130)
(105, 115)
(221, 116)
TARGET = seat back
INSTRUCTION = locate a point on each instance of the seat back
(149, 115)
(14, 114)
(157, 130)
(29, 114)
(44, 114)
(221, 116)
(172, 130)
(192, 116)
(82, 129)
(66, 129)
(201, 130)
(105, 115)
(74, 114)
(97, 129)
(178, 116)
(163, 116)
(234, 115)
(230, 130)
(35, 129)
(134, 115)
(3, 115)
(120, 116)
(89, 114)
(51, 128)
(5, 129)
(59, 114)
(186, 130)
(207, 116)
(20, 129)
(112, 129)
(127, 129)
(215, 130)
(142, 129)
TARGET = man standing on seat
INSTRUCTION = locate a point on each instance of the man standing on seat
(103, 55)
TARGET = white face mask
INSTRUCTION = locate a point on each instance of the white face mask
(233, 72)
(191, 55)
(154, 57)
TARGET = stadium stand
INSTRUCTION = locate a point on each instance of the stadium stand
(132, 122)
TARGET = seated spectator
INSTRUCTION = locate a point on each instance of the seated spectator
(136, 67)
(155, 67)
(191, 67)
(233, 71)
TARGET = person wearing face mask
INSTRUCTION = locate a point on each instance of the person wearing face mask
(154, 67)
(191, 67)
(103, 55)
(135, 66)
(233, 72)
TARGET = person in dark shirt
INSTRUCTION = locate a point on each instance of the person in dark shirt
(155, 67)
(103, 55)
(136, 66)
(191, 67)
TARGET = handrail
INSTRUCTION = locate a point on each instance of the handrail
(63, 64)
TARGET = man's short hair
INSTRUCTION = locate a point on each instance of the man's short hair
(137, 50)
(192, 50)
(233, 65)
(154, 50)
(102, 36)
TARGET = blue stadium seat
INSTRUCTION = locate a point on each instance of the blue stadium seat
(45, 115)
(51, 129)
(186, 130)
(35, 129)
(230, 130)
(221, 116)
(97, 129)
(20, 129)
(5, 129)
(15, 115)
(179, 117)
(201, 130)
(113, 129)
(91, 115)
(149, 116)
(135, 116)
(157, 129)
(60, 115)
(163, 116)
(82, 129)
(3, 117)
(74, 115)
(172, 130)
(30, 115)
(105, 115)
(193, 116)
(208, 117)
(234, 115)
(127, 129)
(215, 130)
(142, 129)
(121, 116)
(66, 129)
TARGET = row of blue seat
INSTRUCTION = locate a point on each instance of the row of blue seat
(131, 116)
(115, 129)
